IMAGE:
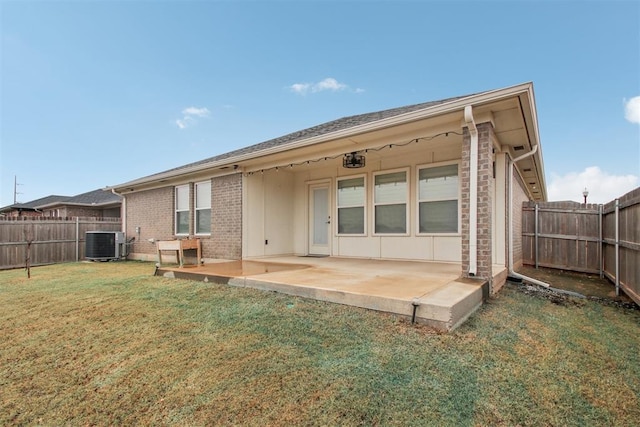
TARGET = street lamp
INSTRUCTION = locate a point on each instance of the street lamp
(585, 193)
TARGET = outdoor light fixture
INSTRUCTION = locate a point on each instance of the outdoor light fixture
(353, 161)
(585, 193)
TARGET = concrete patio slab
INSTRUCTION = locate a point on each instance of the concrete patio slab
(441, 299)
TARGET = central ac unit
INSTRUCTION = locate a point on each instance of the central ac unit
(105, 245)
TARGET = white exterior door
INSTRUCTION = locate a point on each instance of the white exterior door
(319, 220)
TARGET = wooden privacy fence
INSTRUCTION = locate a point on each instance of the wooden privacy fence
(589, 238)
(50, 240)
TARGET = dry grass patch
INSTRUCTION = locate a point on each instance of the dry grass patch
(107, 343)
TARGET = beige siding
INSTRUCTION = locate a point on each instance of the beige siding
(519, 197)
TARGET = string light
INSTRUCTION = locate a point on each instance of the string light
(366, 150)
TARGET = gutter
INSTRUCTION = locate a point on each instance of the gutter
(473, 191)
(447, 107)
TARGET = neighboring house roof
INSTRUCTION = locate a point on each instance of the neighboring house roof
(95, 198)
(353, 125)
(35, 204)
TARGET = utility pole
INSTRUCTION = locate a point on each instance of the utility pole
(15, 189)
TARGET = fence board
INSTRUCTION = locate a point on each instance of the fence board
(626, 273)
(55, 240)
(577, 237)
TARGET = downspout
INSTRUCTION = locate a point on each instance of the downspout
(123, 216)
(123, 211)
(511, 271)
(473, 191)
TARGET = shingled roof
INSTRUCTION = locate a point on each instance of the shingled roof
(93, 198)
(35, 204)
(321, 129)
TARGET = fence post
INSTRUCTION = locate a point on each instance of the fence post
(77, 239)
(535, 255)
(600, 241)
(617, 247)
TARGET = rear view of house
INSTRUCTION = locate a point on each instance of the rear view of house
(440, 181)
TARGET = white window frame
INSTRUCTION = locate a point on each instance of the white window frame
(176, 210)
(364, 206)
(418, 200)
(407, 202)
(196, 208)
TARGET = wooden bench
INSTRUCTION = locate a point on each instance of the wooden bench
(179, 246)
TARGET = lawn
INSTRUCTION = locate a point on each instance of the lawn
(109, 344)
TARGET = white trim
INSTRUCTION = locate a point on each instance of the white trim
(473, 190)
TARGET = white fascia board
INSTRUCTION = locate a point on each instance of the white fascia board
(535, 136)
(538, 156)
(435, 110)
(169, 178)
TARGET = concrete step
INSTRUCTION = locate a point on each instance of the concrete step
(444, 308)
(449, 306)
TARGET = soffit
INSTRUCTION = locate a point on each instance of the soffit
(515, 125)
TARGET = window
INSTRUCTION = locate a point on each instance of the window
(390, 201)
(203, 208)
(438, 189)
(351, 203)
(182, 210)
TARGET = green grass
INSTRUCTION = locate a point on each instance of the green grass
(107, 343)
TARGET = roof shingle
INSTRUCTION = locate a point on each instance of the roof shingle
(321, 129)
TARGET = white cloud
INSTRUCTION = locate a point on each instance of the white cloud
(189, 115)
(301, 88)
(328, 84)
(194, 111)
(184, 122)
(602, 186)
(632, 109)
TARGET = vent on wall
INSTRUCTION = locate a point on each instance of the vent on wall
(104, 245)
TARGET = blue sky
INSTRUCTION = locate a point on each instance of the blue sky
(101, 92)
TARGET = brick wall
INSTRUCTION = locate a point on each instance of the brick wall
(83, 212)
(484, 200)
(226, 218)
(16, 214)
(153, 211)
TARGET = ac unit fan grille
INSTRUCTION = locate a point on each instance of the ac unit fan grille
(102, 245)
